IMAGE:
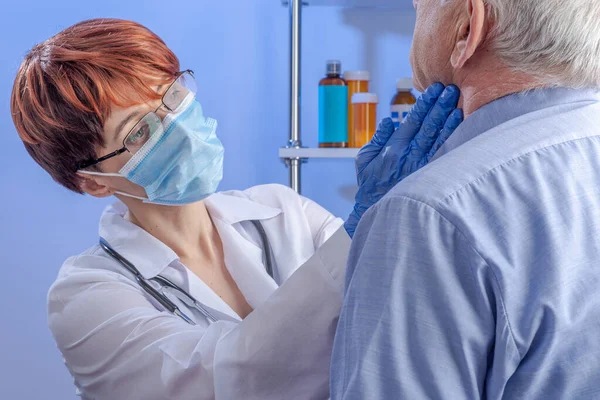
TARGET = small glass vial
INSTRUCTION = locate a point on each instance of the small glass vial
(358, 82)
(403, 100)
(333, 107)
(365, 117)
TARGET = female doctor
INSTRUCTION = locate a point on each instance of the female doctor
(191, 294)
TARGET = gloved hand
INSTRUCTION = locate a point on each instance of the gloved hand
(392, 155)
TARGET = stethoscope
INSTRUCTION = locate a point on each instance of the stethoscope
(166, 286)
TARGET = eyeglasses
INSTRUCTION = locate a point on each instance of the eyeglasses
(151, 123)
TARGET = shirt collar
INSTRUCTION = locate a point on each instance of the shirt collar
(509, 107)
(151, 256)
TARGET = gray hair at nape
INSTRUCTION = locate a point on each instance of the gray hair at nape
(557, 41)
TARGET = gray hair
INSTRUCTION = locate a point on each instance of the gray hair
(558, 41)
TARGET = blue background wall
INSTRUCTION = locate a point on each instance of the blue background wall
(239, 51)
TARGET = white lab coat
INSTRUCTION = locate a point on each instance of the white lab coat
(118, 343)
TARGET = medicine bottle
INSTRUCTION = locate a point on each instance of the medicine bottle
(333, 107)
(364, 107)
(358, 82)
(403, 100)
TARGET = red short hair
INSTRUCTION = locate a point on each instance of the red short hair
(65, 88)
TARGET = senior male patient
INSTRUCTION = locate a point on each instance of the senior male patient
(479, 275)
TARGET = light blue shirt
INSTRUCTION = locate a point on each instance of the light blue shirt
(479, 275)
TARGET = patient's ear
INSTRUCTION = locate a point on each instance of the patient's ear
(471, 33)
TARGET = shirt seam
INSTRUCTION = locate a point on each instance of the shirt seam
(322, 229)
(339, 286)
(326, 264)
(502, 303)
(485, 175)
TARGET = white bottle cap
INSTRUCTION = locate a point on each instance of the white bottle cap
(357, 76)
(359, 98)
(404, 84)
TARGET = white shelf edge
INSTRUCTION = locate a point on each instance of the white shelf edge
(307, 152)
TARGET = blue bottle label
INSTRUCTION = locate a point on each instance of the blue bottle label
(333, 114)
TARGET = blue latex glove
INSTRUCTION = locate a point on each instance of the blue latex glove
(392, 155)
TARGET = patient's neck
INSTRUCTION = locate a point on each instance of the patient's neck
(485, 79)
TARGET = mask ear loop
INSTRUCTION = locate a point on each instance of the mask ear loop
(144, 199)
(100, 173)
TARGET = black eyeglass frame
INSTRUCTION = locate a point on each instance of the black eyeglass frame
(94, 161)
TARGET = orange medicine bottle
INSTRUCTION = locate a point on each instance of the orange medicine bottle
(364, 106)
(358, 82)
(403, 100)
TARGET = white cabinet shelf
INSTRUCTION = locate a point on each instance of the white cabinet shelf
(306, 152)
(393, 4)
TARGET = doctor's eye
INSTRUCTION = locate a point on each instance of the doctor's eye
(138, 136)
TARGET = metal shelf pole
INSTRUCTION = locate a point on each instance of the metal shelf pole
(294, 164)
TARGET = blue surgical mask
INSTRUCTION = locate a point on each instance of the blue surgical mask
(181, 164)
